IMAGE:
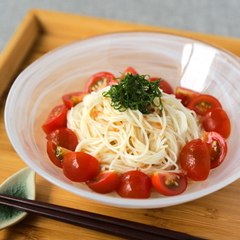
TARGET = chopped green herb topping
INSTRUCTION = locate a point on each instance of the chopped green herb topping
(136, 93)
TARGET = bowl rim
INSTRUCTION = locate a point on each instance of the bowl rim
(120, 202)
(180, 35)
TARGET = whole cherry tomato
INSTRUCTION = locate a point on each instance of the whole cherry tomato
(217, 120)
(56, 119)
(80, 166)
(63, 137)
(129, 70)
(134, 184)
(217, 147)
(104, 182)
(72, 99)
(99, 81)
(202, 103)
(164, 85)
(169, 183)
(195, 160)
(185, 95)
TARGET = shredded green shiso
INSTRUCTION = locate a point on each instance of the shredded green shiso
(136, 93)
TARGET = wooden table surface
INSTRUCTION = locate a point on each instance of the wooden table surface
(216, 216)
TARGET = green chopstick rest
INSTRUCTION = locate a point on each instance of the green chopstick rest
(21, 184)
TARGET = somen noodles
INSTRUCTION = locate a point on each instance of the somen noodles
(130, 140)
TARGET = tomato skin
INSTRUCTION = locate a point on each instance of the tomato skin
(202, 103)
(51, 150)
(56, 154)
(164, 85)
(129, 70)
(104, 182)
(217, 147)
(195, 160)
(99, 81)
(63, 137)
(80, 166)
(217, 120)
(72, 99)
(134, 184)
(185, 95)
(169, 183)
(56, 119)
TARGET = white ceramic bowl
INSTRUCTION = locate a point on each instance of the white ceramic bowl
(181, 61)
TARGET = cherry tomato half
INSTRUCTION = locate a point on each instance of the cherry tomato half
(56, 153)
(80, 166)
(185, 95)
(56, 119)
(217, 120)
(169, 183)
(104, 182)
(217, 147)
(99, 81)
(202, 103)
(195, 160)
(129, 70)
(164, 85)
(72, 99)
(134, 184)
(63, 137)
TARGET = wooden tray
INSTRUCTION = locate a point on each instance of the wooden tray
(215, 216)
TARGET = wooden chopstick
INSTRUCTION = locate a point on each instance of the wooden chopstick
(110, 225)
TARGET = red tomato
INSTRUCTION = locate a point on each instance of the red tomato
(56, 119)
(72, 99)
(99, 81)
(56, 153)
(217, 147)
(202, 103)
(129, 70)
(80, 166)
(63, 137)
(185, 95)
(217, 120)
(105, 182)
(195, 160)
(169, 183)
(134, 184)
(164, 85)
